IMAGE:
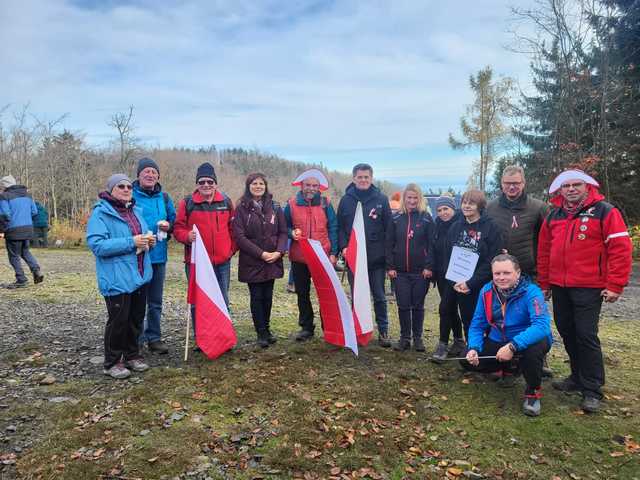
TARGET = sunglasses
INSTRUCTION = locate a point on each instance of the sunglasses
(125, 186)
(206, 182)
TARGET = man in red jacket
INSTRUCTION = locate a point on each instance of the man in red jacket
(211, 211)
(584, 257)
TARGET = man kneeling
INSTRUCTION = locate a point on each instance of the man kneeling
(512, 324)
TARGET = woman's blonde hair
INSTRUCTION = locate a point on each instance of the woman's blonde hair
(413, 187)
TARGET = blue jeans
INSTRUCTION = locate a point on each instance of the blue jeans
(17, 249)
(376, 284)
(223, 274)
(151, 329)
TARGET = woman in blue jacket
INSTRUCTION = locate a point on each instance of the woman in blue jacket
(511, 319)
(117, 236)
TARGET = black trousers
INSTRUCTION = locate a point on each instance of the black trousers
(576, 312)
(261, 299)
(411, 290)
(528, 361)
(448, 311)
(126, 316)
(302, 282)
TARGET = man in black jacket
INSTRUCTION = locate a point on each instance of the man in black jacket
(377, 222)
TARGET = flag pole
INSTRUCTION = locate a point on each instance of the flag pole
(186, 340)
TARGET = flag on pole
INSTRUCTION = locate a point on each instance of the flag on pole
(337, 319)
(357, 262)
(214, 331)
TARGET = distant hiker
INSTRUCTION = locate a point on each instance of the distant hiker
(260, 231)
(160, 215)
(511, 323)
(117, 236)
(211, 211)
(584, 256)
(16, 211)
(377, 224)
(309, 214)
(450, 321)
(476, 236)
(519, 217)
(40, 227)
(409, 241)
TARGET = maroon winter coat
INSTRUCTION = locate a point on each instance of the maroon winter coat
(256, 231)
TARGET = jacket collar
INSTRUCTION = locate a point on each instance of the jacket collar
(197, 198)
(593, 196)
(518, 203)
(359, 195)
(156, 189)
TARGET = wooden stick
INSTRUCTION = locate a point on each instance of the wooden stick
(186, 340)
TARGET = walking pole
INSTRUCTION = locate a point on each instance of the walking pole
(186, 340)
(492, 357)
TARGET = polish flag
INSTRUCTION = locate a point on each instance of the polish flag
(337, 319)
(357, 261)
(214, 331)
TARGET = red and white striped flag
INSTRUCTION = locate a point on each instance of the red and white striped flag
(214, 331)
(337, 319)
(357, 261)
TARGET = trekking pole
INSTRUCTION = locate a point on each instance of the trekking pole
(493, 357)
(186, 340)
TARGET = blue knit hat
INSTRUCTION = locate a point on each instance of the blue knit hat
(146, 162)
(445, 202)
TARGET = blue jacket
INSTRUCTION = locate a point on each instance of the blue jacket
(110, 239)
(526, 320)
(154, 208)
(41, 220)
(17, 206)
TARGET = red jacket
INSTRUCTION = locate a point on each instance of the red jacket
(591, 249)
(213, 220)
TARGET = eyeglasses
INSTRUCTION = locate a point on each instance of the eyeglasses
(206, 182)
(512, 184)
(567, 186)
(125, 186)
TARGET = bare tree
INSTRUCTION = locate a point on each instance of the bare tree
(123, 123)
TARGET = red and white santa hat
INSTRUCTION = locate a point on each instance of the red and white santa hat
(312, 173)
(571, 175)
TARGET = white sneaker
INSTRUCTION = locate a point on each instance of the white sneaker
(136, 365)
(118, 371)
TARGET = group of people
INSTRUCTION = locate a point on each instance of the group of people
(576, 250)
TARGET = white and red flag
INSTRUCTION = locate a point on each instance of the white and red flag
(361, 292)
(337, 319)
(214, 331)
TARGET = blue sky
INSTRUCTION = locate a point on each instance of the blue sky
(337, 82)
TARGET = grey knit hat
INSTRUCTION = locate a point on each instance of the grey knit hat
(8, 181)
(115, 179)
(445, 202)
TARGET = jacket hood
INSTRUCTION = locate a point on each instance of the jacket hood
(593, 196)
(15, 191)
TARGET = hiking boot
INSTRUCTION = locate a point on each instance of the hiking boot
(507, 381)
(158, 347)
(458, 348)
(440, 353)
(567, 385)
(546, 369)
(304, 335)
(136, 364)
(118, 371)
(14, 285)
(418, 345)
(271, 338)
(383, 340)
(38, 277)
(402, 345)
(263, 342)
(590, 404)
(531, 406)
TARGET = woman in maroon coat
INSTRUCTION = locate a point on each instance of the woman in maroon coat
(260, 232)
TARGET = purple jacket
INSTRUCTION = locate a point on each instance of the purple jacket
(257, 230)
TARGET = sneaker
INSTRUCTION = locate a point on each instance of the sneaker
(291, 288)
(507, 380)
(38, 277)
(304, 335)
(402, 345)
(546, 369)
(418, 345)
(136, 364)
(14, 285)
(158, 347)
(263, 342)
(118, 371)
(271, 338)
(590, 404)
(383, 340)
(440, 353)
(567, 385)
(458, 348)
(531, 406)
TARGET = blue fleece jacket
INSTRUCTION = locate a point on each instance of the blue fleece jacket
(526, 320)
(17, 206)
(154, 209)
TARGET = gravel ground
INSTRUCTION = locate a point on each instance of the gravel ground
(52, 334)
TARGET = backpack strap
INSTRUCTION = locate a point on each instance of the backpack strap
(189, 205)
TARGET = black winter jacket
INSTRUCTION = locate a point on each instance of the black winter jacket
(482, 237)
(377, 221)
(438, 253)
(409, 242)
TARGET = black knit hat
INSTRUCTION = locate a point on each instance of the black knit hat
(206, 170)
(146, 162)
